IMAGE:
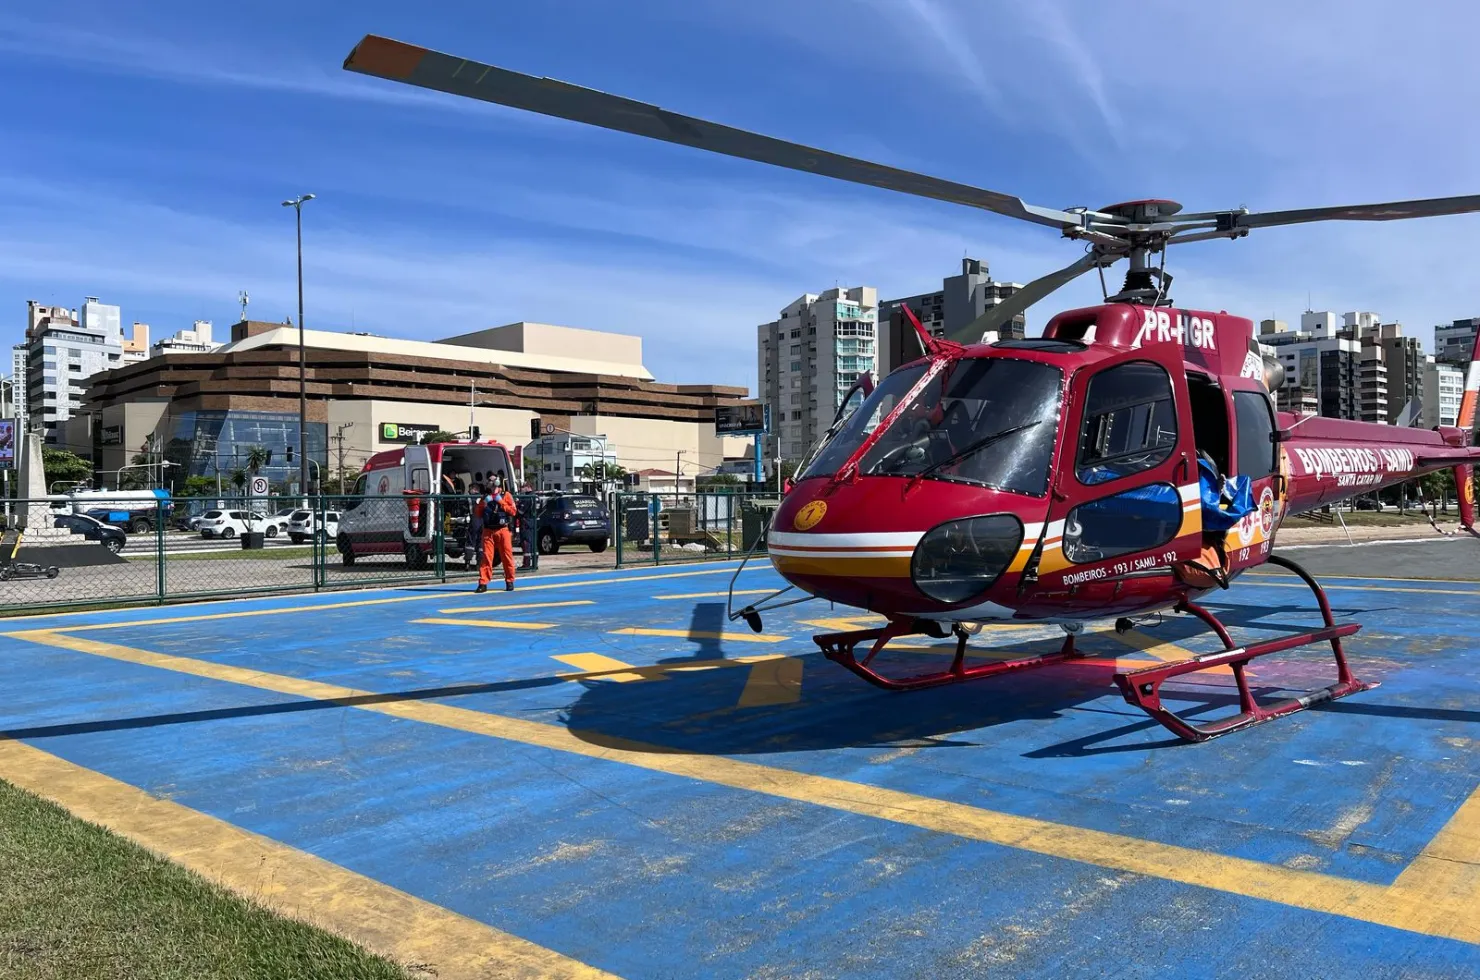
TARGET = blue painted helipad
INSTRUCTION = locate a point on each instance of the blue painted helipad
(604, 766)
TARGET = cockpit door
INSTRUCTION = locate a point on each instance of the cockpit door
(1124, 502)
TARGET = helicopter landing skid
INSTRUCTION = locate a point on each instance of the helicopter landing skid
(1142, 688)
(839, 647)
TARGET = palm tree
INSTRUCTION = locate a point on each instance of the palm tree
(257, 457)
(239, 479)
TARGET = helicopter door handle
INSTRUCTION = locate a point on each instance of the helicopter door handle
(1182, 470)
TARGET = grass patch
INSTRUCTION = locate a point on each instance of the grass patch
(79, 901)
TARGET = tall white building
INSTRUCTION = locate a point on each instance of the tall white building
(62, 352)
(808, 359)
(15, 391)
(1453, 342)
(196, 340)
(561, 460)
(959, 301)
(1443, 387)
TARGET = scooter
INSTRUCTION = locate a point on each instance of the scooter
(10, 545)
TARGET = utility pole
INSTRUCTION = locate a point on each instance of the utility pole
(297, 205)
(339, 436)
(677, 470)
(472, 396)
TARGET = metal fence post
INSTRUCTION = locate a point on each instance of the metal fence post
(160, 583)
(619, 518)
(438, 530)
(318, 542)
(653, 504)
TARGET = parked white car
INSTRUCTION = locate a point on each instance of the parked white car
(281, 519)
(300, 522)
(230, 523)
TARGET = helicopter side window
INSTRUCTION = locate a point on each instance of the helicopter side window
(1130, 423)
(1256, 447)
(1146, 517)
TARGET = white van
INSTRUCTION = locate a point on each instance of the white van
(393, 510)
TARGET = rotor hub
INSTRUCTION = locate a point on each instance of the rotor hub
(1143, 212)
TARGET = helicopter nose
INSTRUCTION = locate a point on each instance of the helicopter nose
(952, 563)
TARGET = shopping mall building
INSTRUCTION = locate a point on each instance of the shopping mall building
(204, 412)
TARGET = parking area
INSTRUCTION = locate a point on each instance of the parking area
(598, 774)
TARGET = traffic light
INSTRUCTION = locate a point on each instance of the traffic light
(268, 462)
(290, 454)
(475, 433)
(534, 428)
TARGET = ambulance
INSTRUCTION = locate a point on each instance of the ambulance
(402, 496)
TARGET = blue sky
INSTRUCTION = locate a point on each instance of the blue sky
(148, 147)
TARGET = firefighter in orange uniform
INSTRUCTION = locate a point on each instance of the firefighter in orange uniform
(495, 511)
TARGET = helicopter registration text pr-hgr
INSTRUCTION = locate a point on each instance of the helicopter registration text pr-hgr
(1351, 466)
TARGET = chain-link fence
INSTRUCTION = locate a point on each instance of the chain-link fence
(59, 554)
(655, 528)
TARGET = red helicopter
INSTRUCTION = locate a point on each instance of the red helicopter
(1128, 462)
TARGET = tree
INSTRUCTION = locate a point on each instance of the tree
(239, 479)
(257, 457)
(602, 472)
(61, 466)
(198, 486)
(718, 480)
(138, 477)
(441, 435)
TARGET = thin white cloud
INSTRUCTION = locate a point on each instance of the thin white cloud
(196, 61)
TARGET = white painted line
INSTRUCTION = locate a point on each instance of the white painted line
(1436, 539)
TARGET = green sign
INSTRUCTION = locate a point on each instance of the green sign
(407, 432)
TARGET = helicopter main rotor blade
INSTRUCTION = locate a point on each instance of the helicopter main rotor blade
(1039, 288)
(1427, 208)
(400, 62)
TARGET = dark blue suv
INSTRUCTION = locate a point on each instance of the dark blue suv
(573, 520)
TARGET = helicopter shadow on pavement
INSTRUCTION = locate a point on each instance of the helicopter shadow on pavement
(698, 711)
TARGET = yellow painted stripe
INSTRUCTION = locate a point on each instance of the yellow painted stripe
(703, 635)
(776, 681)
(286, 880)
(1418, 906)
(716, 595)
(1373, 578)
(1165, 652)
(420, 596)
(495, 624)
(1446, 870)
(1372, 588)
(499, 607)
(606, 668)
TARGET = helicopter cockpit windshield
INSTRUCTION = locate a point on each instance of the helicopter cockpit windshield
(986, 421)
(853, 427)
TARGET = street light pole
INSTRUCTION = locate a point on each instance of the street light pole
(297, 205)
